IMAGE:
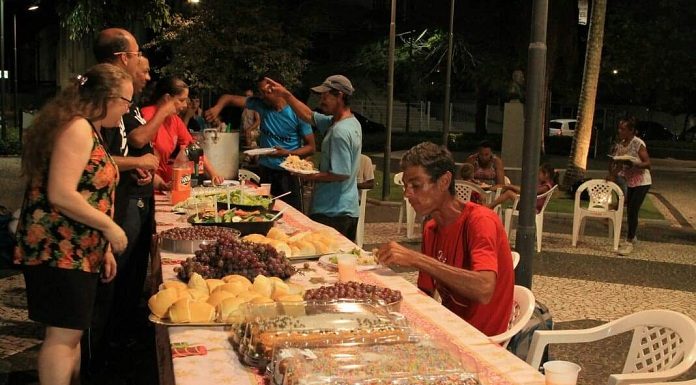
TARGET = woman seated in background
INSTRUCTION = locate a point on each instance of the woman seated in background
(66, 237)
(172, 136)
(547, 178)
(488, 168)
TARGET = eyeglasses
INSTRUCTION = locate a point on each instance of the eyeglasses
(129, 101)
(136, 53)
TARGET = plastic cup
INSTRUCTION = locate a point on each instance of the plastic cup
(265, 189)
(346, 267)
(561, 372)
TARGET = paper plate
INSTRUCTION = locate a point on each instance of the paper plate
(259, 151)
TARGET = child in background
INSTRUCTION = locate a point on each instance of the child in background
(547, 178)
(467, 174)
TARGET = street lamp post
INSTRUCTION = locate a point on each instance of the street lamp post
(2, 70)
(16, 73)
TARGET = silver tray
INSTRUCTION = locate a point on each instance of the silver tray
(166, 322)
(183, 246)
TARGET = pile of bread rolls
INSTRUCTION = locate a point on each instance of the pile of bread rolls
(302, 244)
(216, 300)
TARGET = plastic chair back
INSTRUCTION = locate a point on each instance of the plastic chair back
(522, 310)
(245, 175)
(463, 190)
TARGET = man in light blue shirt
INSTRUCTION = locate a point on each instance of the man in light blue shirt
(280, 129)
(336, 201)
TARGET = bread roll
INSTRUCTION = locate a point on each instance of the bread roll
(236, 277)
(261, 300)
(281, 247)
(276, 233)
(213, 283)
(176, 284)
(186, 310)
(218, 296)
(320, 246)
(306, 248)
(228, 307)
(248, 295)
(295, 289)
(290, 298)
(255, 238)
(198, 294)
(263, 286)
(299, 236)
(160, 303)
(197, 282)
(235, 287)
(280, 289)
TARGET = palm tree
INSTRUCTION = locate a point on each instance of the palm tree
(577, 161)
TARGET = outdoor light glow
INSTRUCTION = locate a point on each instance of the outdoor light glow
(33, 7)
(194, 1)
(615, 72)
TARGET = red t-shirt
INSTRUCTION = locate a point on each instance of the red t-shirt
(475, 241)
(171, 134)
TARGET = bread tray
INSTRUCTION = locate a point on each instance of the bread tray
(166, 322)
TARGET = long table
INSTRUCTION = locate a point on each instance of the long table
(220, 365)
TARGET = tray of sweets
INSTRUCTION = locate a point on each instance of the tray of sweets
(417, 361)
(313, 323)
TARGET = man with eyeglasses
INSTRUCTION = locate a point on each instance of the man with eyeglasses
(129, 145)
(335, 201)
(465, 254)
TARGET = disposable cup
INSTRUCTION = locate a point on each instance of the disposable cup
(265, 189)
(347, 267)
(561, 372)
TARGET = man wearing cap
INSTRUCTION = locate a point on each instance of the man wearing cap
(335, 202)
(280, 129)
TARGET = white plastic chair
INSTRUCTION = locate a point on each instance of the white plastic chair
(663, 344)
(244, 175)
(410, 212)
(539, 219)
(600, 192)
(522, 311)
(360, 230)
(515, 259)
(687, 382)
(463, 190)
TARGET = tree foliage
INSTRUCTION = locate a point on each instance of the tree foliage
(650, 45)
(82, 18)
(223, 47)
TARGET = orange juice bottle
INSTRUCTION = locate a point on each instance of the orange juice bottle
(181, 182)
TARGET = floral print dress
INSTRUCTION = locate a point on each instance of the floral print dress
(45, 235)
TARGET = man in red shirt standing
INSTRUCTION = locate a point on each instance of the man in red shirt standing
(465, 253)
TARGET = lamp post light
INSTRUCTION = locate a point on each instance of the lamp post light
(2, 70)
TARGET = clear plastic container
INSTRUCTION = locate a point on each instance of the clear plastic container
(404, 363)
(301, 324)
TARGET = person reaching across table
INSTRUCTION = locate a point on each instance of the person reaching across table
(280, 129)
(465, 253)
(172, 136)
(636, 173)
(66, 238)
(335, 202)
(488, 168)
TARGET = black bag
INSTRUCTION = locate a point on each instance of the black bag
(541, 320)
(7, 241)
(585, 196)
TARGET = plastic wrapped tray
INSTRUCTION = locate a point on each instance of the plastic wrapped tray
(313, 323)
(418, 361)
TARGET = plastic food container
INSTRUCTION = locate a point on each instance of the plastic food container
(302, 324)
(416, 362)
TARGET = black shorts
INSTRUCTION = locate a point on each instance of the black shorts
(60, 297)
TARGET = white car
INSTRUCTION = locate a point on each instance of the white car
(562, 127)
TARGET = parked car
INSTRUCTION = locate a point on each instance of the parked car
(562, 127)
(647, 130)
(689, 135)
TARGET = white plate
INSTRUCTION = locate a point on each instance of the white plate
(259, 151)
(625, 157)
(325, 261)
(226, 182)
(296, 171)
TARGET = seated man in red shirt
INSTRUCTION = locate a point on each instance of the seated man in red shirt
(465, 253)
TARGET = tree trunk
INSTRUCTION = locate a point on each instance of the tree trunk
(577, 161)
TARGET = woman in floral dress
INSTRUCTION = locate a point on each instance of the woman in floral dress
(66, 238)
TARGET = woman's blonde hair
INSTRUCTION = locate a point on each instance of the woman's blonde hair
(86, 97)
